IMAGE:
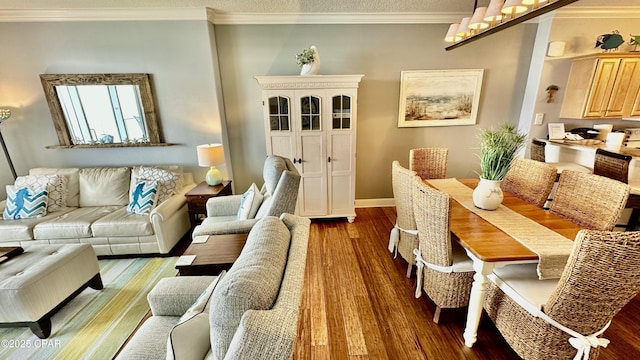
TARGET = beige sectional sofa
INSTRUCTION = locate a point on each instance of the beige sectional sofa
(251, 312)
(94, 211)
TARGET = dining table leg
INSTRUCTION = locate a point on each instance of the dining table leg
(476, 299)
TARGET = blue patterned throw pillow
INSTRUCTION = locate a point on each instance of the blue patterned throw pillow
(25, 202)
(143, 197)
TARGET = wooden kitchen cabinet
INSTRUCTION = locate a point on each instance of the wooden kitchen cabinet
(312, 121)
(604, 85)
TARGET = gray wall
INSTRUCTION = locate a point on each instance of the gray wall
(177, 54)
(380, 52)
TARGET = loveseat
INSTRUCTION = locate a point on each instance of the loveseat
(250, 312)
(94, 206)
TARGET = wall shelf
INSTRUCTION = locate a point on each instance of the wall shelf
(104, 146)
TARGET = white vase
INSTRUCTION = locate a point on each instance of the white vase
(488, 194)
(314, 67)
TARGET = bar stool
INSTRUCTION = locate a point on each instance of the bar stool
(616, 166)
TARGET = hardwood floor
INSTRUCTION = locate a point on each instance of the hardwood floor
(357, 304)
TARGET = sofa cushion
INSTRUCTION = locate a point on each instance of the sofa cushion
(23, 230)
(56, 188)
(120, 222)
(75, 224)
(25, 202)
(104, 186)
(169, 182)
(252, 282)
(73, 181)
(189, 339)
(143, 197)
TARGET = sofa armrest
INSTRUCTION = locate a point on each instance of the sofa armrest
(168, 207)
(226, 227)
(223, 205)
(265, 334)
(173, 296)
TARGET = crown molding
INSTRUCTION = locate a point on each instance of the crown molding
(129, 14)
(598, 12)
(245, 18)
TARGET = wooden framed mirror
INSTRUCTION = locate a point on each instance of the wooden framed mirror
(102, 110)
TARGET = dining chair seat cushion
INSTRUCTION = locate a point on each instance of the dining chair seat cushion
(572, 166)
(521, 283)
(461, 262)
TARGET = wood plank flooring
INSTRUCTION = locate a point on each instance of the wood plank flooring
(357, 304)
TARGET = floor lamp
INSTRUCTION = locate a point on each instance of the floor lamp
(4, 115)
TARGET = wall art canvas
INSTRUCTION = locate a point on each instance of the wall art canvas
(439, 97)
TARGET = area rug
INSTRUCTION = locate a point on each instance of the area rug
(96, 323)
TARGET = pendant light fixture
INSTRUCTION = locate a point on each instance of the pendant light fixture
(498, 15)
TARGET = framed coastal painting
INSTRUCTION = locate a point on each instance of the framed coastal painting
(439, 97)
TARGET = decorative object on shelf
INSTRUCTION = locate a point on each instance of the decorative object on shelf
(499, 15)
(551, 90)
(497, 150)
(4, 115)
(610, 42)
(556, 48)
(211, 155)
(635, 41)
(439, 97)
(309, 61)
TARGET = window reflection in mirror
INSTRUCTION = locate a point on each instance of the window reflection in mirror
(102, 109)
(103, 113)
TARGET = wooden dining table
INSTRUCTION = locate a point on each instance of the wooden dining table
(491, 248)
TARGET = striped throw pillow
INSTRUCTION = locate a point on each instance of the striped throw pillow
(25, 202)
(143, 198)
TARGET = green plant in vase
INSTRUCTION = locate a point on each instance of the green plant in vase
(309, 61)
(498, 148)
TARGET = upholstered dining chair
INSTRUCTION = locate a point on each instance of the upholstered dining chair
(616, 166)
(561, 318)
(445, 272)
(538, 153)
(591, 201)
(429, 163)
(403, 238)
(530, 180)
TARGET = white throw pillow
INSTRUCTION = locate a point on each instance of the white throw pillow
(25, 202)
(56, 187)
(169, 183)
(143, 197)
(251, 200)
(189, 338)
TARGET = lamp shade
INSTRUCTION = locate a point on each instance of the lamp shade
(451, 34)
(463, 29)
(513, 7)
(210, 155)
(494, 11)
(477, 21)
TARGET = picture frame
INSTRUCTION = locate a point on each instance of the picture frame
(439, 97)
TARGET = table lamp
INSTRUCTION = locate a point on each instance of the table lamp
(211, 155)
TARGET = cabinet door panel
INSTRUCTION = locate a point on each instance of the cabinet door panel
(624, 89)
(313, 195)
(342, 197)
(601, 88)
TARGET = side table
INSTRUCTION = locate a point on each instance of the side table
(198, 196)
(218, 253)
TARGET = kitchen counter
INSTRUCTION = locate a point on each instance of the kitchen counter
(591, 146)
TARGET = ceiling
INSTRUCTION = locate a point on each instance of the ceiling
(283, 6)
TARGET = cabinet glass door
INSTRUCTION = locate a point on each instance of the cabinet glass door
(279, 116)
(341, 112)
(310, 113)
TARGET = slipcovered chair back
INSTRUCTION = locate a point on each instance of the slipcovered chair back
(280, 189)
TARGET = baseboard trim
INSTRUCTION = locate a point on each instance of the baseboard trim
(366, 203)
